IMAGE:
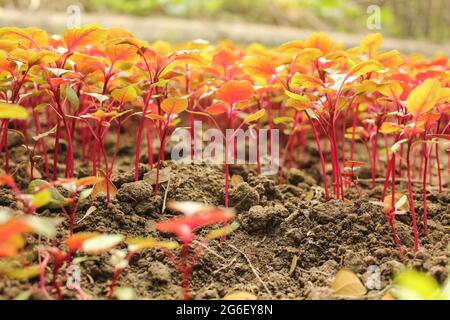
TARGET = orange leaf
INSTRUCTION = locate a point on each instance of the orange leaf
(12, 228)
(155, 116)
(174, 105)
(235, 91)
(7, 250)
(26, 38)
(259, 67)
(216, 109)
(75, 242)
(321, 41)
(86, 181)
(81, 37)
(224, 58)
(5, 179)
(101, 186)
(121, 52)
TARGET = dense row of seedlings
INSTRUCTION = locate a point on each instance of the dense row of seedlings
(94, 82)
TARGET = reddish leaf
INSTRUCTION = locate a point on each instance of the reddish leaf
(224, 58)
(216, 109)
(235, 91)
(185, 226)
(81, 37)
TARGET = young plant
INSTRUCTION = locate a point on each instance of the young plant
(232, 93)
(171, 108)
(197, 216)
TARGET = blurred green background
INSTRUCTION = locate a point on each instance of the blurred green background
(414, 19)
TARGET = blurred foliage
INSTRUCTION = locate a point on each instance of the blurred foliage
(419, 19)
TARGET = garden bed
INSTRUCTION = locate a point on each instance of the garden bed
(277, 223)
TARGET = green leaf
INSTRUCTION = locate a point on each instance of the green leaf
(71, 95)
(56, 198)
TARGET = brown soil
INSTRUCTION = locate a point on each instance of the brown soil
(277, 222)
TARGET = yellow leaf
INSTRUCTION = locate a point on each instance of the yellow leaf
(308, 55)
(279, 120)
(367, 86)
(305, 81)
(7, 45)
(423, 98)
(298, 104)
(292, 47)
(42, 198)
(255, 116)
(389, 128)
(390, 89)
(366, 67)
(124, 95)
(347, 283)
(371, 43)
(32, 57)
(444, 96)
(21, 273)
(218, 233)
(136, 244)
(12, 111)
(174, 105)
(390, 59)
